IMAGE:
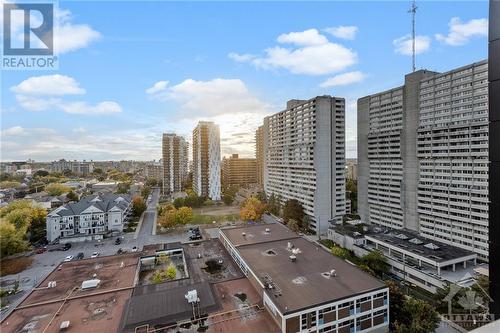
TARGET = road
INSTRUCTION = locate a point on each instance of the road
(43, 264)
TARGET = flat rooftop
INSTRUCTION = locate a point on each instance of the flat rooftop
(257, 234)
(406, 240)
(93, 310)
(303, 283)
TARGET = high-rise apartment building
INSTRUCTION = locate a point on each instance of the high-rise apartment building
(494, 155)
(238, 171)
(259, 154)
(207, 160)
(304, 149)
(175, 162)
(423, 156)
(352, 169)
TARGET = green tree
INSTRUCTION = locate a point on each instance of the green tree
(293, 225)
(138, 206)
(56, 189)
(228, 198)
(145, 191)
(67, 173)
(340, 252)
(418, 317)
(72, 196)
(151, 182)
(377, 262)
(123, 188)
(396, 304)
(11, 239)
(273, 205)
(41, 173)
(171, 272)
(293, 210)
(9, 184)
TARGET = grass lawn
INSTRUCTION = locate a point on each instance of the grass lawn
(14, 266)
(207, 219)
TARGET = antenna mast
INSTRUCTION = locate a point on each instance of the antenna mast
(413, 11)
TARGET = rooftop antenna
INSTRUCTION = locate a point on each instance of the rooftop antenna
(413, 11)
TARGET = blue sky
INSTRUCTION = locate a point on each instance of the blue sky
(129, 71)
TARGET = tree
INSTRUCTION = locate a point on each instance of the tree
(419, 317)
(9, 184)
(293, 210)
(72, 196)
(252, 209)
(293, 225)
(185, 215)
(67, 172)
(151, 182)
(168, 218)
(377, 262)
(56, 189)
(396, 304)
(41, 173)
(37, 226)
(340, 252)
(171, 272)
(145, 191)
(228, 198)
(11, 239)
(123, 188)
(274, 205)
(138, 206)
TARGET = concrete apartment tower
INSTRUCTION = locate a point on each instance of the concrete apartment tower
(175, 162)
(207, 160)
(259, 154)
(423, 157)
(494, 154)
(304, 157)
(238, 171)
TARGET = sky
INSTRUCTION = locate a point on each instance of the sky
(130, 71)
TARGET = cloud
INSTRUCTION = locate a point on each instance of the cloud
(344, 32)
(461, 32)
(54, 85)
(343, 79)
(13, 131)
(313, 54)
(403, 45)
(46, 92)
(159, 86)
(303, 38)
(79, 130)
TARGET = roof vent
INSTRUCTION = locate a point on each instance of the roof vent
(333, 273)
(52, 284)
(431, 246)
(289, 246)
(268, 230)
(243, 234)
(293, 258)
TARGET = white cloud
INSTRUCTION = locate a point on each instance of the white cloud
(403, 45)
(13, 131)
(241, 57)
(314, 55)
(53, 85)
(106, 107)
(343, 79)
(344, 32)
(303, 38)
(461, 32)
(42, 93)
(157, 87)
(79, 130)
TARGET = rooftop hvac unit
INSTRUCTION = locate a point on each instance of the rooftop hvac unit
(192, 296)
(90, 284)
(289, 246)
(64, 325)
(268, 230)
(333, 272)
(52, 284)
(243, 234)
(293, 257)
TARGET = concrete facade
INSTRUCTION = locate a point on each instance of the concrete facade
(207, 160)
(175, 162)
(238, 171)
(422, 155)
(259, 154)
(304, 149)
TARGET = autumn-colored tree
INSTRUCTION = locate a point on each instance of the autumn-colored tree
(185, 215)
(11, 239)
(57, 189)
(138, 206)
(168, 218)
(252, 209)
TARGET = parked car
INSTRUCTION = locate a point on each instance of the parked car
(134, 249)
(66, 247)
(94, 255)
(68, 258)
(195, 237)
(79, 256)
(118, 241)
(41, 250)
(121, 251)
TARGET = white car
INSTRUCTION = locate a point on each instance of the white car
(68, 258)
(134, 249)
(94, 255)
